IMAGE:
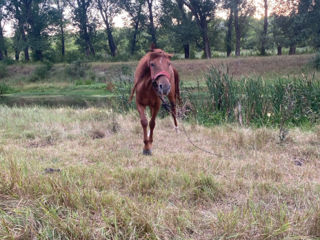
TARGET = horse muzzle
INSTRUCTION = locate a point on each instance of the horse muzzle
(161, 83)
(164, 89)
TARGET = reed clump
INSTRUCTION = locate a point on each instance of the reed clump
(277, 102)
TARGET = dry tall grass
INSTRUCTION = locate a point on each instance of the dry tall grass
(80, 174)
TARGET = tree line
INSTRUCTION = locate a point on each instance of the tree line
(57, 30)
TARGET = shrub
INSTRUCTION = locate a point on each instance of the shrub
(4, 88)
(3, 70)
(316, 61)
(122, 89)
(41, 72)
(77, 69)
(8, 61)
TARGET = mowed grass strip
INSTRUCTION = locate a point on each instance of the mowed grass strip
(100, 186)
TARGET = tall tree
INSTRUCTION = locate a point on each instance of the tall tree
(229, 33)
(236, 6)
(20, 11)
(203, 11)
(135, 10)
(279, 37)
(309, 15)
(184, 31)
(32, 20)
(39, 20)
(81, 18)
(243, 9)
(152, 28)
(3, 49)
(265, 29)
(108, 9)
(61, 5)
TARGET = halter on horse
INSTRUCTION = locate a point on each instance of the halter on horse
(154, 78)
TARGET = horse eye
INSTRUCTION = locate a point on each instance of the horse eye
(169, 64)
(152, 64)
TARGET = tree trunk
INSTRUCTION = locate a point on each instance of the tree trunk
(62, 41)
(135, 33)
(2, 43)
(26, 54)
(89, 50)
(134, 38)
(229, 34)
(265, 29)
(38, 55)
(60, 9)
(112, 45)
(105, 17)
(205, 38)
(237, 30)
(26, 49)
(16, 55)
(152, 27)
(292, 49)
(279, 48)
(186, 48)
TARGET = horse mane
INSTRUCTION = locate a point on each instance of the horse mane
(143, 68)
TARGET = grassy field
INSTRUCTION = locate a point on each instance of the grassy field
(79, 174)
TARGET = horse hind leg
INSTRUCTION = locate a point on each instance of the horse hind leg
(174, 114)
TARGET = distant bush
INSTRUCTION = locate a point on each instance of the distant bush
(122, 89)
(4, 88)
(77, 69)
(3, 70)
(316, 61)
(8, 61)
(41, 72)
(84, 82)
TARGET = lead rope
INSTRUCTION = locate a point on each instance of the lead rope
(166, 106)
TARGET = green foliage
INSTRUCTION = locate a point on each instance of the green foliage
(122, 89)
(41, 72)
(4, 88)
(77, 69)
(3, 70)
(316, 61)
(8, 61)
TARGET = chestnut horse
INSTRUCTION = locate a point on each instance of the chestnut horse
(155, 77)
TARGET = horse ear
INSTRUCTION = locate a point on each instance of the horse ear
(169, 55)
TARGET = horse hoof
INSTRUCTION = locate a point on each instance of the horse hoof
(147, 152)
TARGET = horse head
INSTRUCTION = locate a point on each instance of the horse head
(160, 71)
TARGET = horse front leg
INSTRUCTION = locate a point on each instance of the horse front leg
(144, 124)
(152, 124)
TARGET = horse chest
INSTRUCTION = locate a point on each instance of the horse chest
(146, 96)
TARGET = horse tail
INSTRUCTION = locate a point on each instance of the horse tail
(132, 92)
(176, 81)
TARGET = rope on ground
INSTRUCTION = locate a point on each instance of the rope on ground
(166, 106)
